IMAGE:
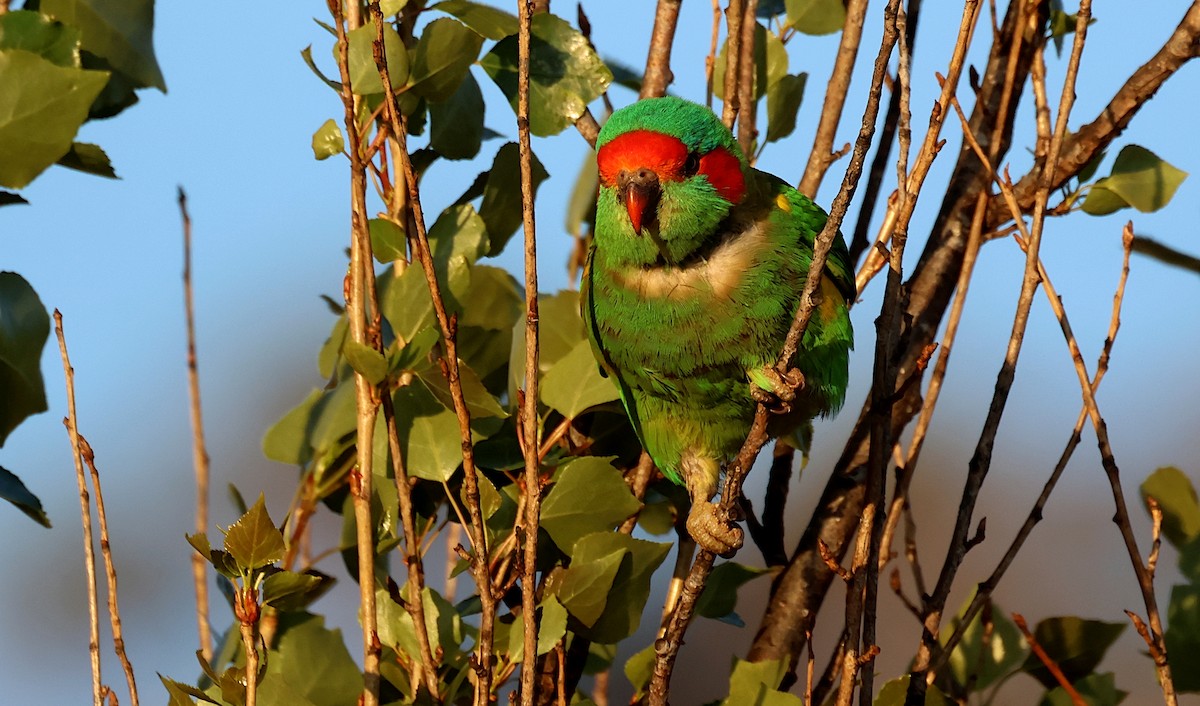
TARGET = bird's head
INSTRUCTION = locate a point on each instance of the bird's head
(670, 171)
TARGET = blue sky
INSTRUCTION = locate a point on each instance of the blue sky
(270, 228)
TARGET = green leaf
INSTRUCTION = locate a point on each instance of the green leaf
(1176, 497)
(1139, 179)
(41, 109)
(757, 684)
(560, 331)
(770, 64)
(565, 74)
(497, 301)
(442, 622)
(366, 361)
(388, 242)
(364, 73)
(1183, 636)
(893, 693)
(220, 560)
(581, 209)
(287, 440)
(816, 16)
(443, 55)
(491, 22)
(15, 492)
(575, 384)
(405, 301)
(480, 402)
(89, 159)
(459, 230)
(619, 599)
(306, 54)
(254, 541)
(456, 125)
(327, 140)
(1075, 644)
(181, 694)
(640, 668)
(34, 32)
(718, 600)
(991, 648)
(783, 103)
(7, 198)
(1096, 690)
(121, 33)
(429, 434)
(309, 665)
(589, 496)
(291, 591)
(553, 625)
(24, 327)
(501, 207)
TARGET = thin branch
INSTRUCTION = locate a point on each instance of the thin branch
(85, 514)
(110, 571)
(366, 395)
(822, 155)
(658, 61)
(1051, 665)
(733, 55)
(747, 67)
(710, 61)
(448, 326)
(199, 451)
(1163, 253)
(532, 496)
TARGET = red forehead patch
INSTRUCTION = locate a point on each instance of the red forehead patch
(641, 149)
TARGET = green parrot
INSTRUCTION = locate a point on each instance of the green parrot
(691, 285)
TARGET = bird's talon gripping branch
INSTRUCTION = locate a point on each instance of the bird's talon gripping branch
(713, 530)
(777, 391)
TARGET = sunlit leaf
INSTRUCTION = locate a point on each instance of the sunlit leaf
(308, 665)
(254, 541)
(24, 328)
(565, 73)
(590, 495)
(575, 384)
(770, 64)
(429, 434)
(1138, 179)
(1176, 497)
(1096, 690)
(366, 361)
(364, 73)
(34, 32)
(388, 241)
(640, 668)
(816, 16)
(292, 591)
(41, 109)
(287, 440)
(327, 140)
(989, 650)
(584, 588)
(444, 53)
(757, 684)
(893, 694)
(491, 22)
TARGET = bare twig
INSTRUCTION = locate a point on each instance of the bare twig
(532, 496)
(747, 67)
(85, 513)
(710, 61)
(1164, 253)
(658, 61)
(1051, 665)
(199, 451)
(733, 54)
(366, 395)
(822, 155)
(448, 326)
(110, 571)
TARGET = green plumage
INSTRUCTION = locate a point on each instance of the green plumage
(686, 313)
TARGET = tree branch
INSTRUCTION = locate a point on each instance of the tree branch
(658, 61)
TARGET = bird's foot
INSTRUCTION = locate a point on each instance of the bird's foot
(713, 530)
(774, 389)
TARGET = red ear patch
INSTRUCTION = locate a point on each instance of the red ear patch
(724, 172)
(641, 149)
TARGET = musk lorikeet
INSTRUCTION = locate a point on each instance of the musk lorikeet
(692, 282)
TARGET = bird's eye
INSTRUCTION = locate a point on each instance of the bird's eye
(691, 165)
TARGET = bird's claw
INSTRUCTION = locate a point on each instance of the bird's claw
(776, 390)
(713, 530)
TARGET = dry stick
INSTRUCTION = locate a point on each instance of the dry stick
(114, 611)
(746, 130)
(1165, 253)
(984, 589)
(199, 451)
(658, 60)
(733, 55)
(668, 647)
(85, 514)
(981, 460)
(529, 410)
(449, 329)
(822, 155)
(870, 194)
(366, 395)
(1051, 665)
(710, 61)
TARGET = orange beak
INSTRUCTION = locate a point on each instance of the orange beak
(640, 191)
